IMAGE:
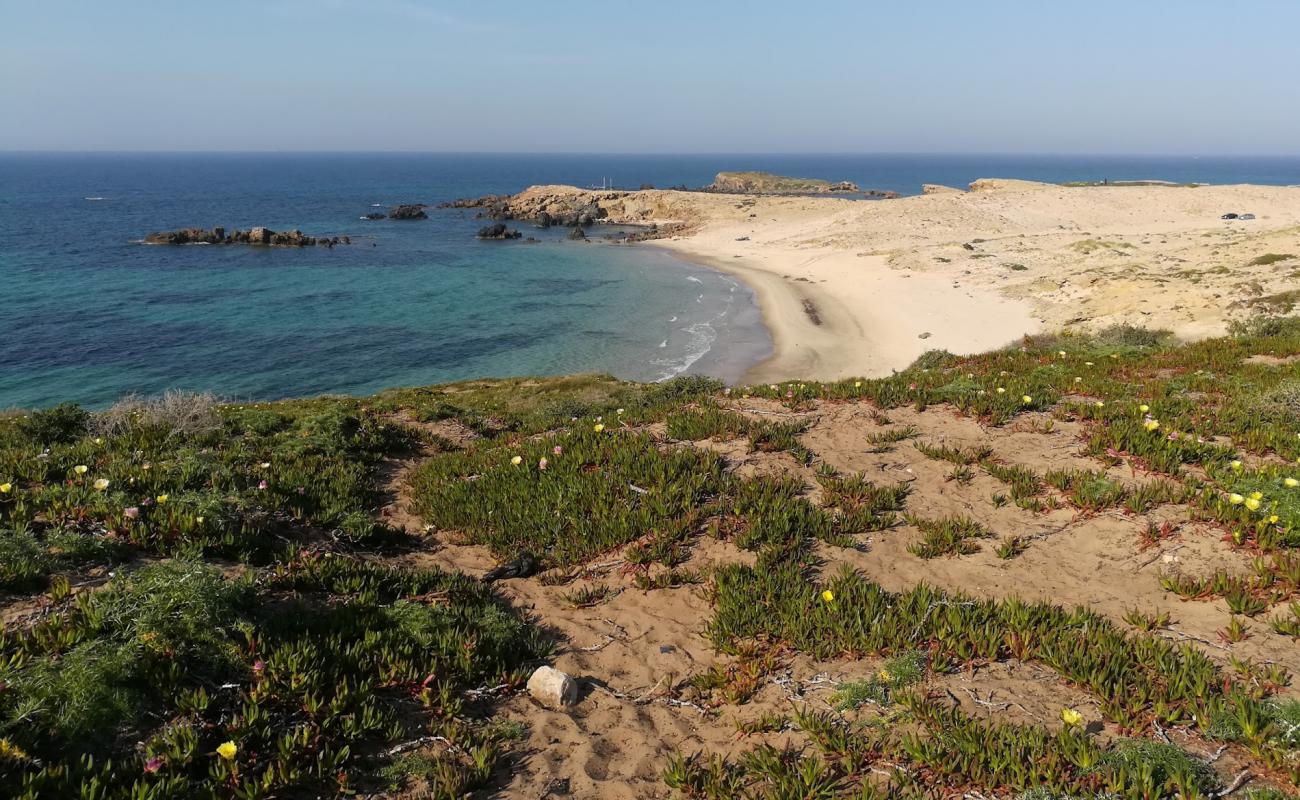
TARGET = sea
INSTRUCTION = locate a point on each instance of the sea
(89, 314)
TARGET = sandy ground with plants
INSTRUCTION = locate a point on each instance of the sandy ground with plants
(634, 654)
(852, 287)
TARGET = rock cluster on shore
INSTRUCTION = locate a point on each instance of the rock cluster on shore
(254, 236)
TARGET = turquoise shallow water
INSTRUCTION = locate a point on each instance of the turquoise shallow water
(90, 314)
(87, 314)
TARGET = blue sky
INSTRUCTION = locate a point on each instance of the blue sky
(1089, 76)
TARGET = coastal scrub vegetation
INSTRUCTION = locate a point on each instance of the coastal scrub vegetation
(203, 599)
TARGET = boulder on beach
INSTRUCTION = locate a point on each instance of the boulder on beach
(552, 688)
(939, 188)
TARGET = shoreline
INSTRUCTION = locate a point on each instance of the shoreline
(861, 289)
(833, 315)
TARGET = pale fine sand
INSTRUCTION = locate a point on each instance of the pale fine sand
(861, 288)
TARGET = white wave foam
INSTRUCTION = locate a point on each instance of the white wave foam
(693, 278)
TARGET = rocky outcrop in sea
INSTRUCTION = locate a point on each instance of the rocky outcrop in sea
(498, 231)
(408, 211)
(254, 236)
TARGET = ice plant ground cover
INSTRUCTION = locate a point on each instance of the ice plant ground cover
(209, 602)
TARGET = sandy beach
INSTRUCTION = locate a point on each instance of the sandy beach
(861, 288)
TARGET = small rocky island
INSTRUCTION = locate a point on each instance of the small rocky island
(254, 236)
(767, 183)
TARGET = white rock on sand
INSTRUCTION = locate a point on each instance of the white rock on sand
(552, 688)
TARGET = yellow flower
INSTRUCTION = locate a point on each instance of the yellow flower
(1252, 504)
(162, 498)
(1151, 425)
(1087, 363)
(1100, 404)
(81, 469)
(1273, 519)
(227, 750)
(1236, 499)
(1078, 380)
(619, 412)
(1236, 466)
(98, 440)
(1071, 717)
(1026, 399)
(885, 676)
(828, 595)
(1144, 408)
(517, 460)
(12, 751)
(5, 488)
(1291, 483)
(101, 484)
(857, 384)
(265, 465)
(1061, 353)
(1001, 390)
(598, 427)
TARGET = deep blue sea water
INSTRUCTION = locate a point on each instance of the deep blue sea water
(87, 314)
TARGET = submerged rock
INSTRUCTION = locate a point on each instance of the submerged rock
(373, 215)
(498, 231)
(408, 211)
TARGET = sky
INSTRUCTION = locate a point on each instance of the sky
(1177, 77)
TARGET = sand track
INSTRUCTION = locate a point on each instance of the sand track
(633, 654)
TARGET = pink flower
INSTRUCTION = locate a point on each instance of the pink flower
(262, 484)
(154, 764)
(258, 666)
(911, 386)
(131, 513)
(541, 464)
(557, 450)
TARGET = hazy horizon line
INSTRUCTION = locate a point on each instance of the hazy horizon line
(700, 153)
